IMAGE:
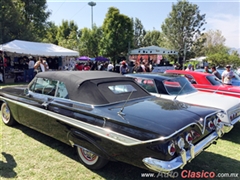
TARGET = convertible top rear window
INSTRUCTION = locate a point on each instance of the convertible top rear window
(124, 88)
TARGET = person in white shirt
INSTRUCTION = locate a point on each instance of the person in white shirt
(42, 64)
(110, 67)
(143, 66)
(30, 68)
(189, 68)
(227, 75)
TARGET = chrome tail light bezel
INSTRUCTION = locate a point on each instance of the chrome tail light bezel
(171, 146)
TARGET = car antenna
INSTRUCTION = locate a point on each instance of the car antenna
(217, 89)
(180, 91)
(121, 110)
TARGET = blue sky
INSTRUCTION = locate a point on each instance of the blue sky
(220, 15)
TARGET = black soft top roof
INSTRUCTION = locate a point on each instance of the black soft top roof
(83, 86)
(77, 77)
(158, 76)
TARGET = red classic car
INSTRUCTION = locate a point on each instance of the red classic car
(207, 83)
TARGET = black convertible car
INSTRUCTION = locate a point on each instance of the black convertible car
(107, 116)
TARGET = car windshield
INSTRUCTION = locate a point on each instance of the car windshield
(178, 86)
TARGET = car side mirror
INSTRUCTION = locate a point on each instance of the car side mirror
(26, 92)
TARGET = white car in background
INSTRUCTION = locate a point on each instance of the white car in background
(179, 88)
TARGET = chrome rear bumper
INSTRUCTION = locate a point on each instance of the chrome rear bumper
(228, 127)
(185, 156)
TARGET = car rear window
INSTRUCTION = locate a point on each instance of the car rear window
(214, 80)
(124, 88)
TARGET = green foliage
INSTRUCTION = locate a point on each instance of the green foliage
(222, 59)
(23, 19)
(213, 43)
(139, 33)
(152, 38)
(117, 34)
(67, 35)
(89, 41)
(51, 31)
(183, 27)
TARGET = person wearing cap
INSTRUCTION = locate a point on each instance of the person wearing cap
(124, 68)
(227, 75)
(189, 68)
(30, 68)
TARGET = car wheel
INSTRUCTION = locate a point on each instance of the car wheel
(6, 115)
(90, 160)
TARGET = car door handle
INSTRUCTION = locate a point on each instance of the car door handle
(29, 95)
(45, 105)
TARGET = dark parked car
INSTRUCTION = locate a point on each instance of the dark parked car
(177, 87)
(107, 116)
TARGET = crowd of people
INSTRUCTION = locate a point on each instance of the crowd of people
(33, 66)
(122, 68)
(225, 77)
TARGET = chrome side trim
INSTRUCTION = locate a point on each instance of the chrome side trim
(227, 127)
(232, 93)
(179, 162)
(235, 121)
(97, 130)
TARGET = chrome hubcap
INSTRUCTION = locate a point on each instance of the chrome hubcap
(5, 113)
(88, 155)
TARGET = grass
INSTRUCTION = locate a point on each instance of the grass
(28, 154)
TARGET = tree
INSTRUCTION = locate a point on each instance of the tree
(51, 33)
(215, 50)
(67, 35)
(23, 19)
(184, 26)
(89, 41)
(223, 58)
(152, 38)
(9, 18)
(34, 16)
(139, 33)
(117, 34)
(214, 43)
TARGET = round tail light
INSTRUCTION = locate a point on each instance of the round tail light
(189, 138)
(195, 134)
(210, 125)
(171, 149)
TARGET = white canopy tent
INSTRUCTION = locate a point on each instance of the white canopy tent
(36, 49)
(199, 59)
(153, 50)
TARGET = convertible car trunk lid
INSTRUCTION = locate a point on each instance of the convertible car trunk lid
(160, 115)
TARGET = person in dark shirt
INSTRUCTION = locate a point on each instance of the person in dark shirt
(206, 70)
(216, 73)
(137, 68)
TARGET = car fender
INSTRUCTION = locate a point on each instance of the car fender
(81, 139)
